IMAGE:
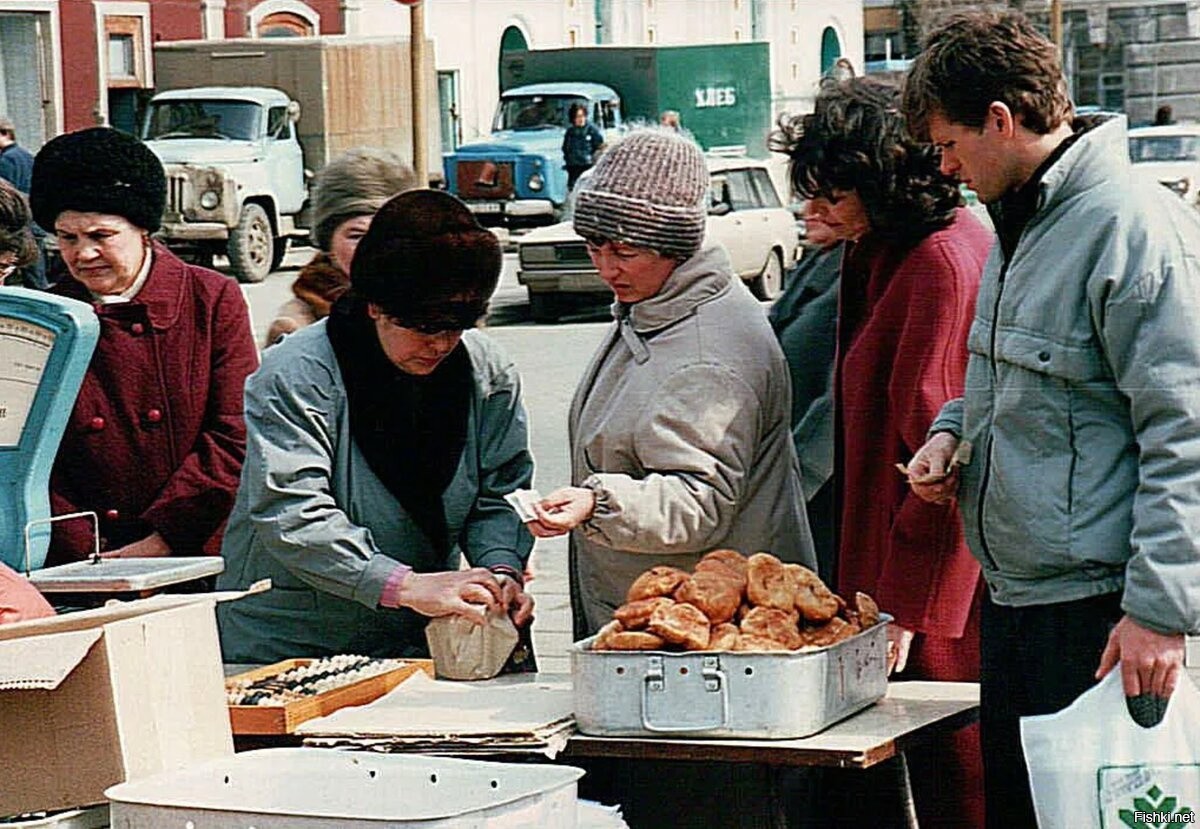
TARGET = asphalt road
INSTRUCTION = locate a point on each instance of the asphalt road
(551, 359)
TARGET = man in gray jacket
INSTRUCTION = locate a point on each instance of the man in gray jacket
(1082, 396)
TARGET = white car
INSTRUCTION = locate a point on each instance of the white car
(1171, 154)
(746, 215)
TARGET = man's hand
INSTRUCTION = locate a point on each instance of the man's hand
(152, 546)
(899, 643)
(468, 593)
(562, 511)
(930, 474)
(1150, 662)
(514, 598)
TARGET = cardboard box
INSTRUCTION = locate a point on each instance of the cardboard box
(92, 699)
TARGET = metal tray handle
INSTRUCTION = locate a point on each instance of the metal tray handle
(715, 682)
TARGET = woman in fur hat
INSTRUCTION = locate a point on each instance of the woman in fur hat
(346, 194)
(156, 439)
(382, 441)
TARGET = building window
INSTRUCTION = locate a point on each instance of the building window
(284, 24)
(651, 35)
(125, 51)
(795, 36)
(795, 71)
(737, 34)
(573, 36)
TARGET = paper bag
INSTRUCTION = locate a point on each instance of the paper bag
(1092, 767)
(462, 649)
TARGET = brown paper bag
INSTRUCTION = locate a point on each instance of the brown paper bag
(462, 649)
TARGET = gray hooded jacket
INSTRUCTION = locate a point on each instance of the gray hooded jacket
(682, 427)
(1082, 396)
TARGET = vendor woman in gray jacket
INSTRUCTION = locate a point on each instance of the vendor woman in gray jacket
(380, 444)
(680, 429)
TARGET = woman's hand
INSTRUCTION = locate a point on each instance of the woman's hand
(899, 644)
(562, 511)
(467, 593)
(152, 546)
(931, 474)
(514, 598)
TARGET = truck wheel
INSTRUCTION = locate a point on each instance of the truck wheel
(251, 245)
(544, 307)
(769, 282)
(281, 249)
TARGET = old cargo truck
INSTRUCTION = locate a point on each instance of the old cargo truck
(241, 126)
(516, 177)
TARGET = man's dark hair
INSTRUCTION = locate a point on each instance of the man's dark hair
(981, 57)
(572, 109)
(1164, 116)
(856, 140)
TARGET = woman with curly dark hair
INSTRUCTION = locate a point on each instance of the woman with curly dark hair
(17, 246)
(910, 273)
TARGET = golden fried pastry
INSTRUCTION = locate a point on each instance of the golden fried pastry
(634, 640)
(772, 623)
(767, 582)
(742, 611)
(868, 611)
(812, 598)
(604, 635)
(830, 633)
(723, 637)
(716, 594)
(657, 581)
(681, 624)
(635, 615)
(730, 558)
(712, 565)
(747, 642)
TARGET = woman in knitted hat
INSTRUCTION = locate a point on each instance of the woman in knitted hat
(382, 441)
(681, 437)
(909, 276)
(346, 194)
(156, 439)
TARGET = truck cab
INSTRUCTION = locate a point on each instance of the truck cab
(516, 177)
(235, 173)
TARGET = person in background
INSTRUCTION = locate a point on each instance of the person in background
(581, 141)
(670, 120)
(346, 194)
(910, 273)
(382, 441)
(16, 167)
(804, 319)
(155, 442)
(1164, 116)
(1082, 500)
(17, 245)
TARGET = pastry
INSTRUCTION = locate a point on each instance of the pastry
(716, 594)
(657, 581)
(758, 643)
(723, 637)
(730, 558)
(681, 624)
(811, 597)
(768, 584)
(772, 623)
(635, 615)
(634, 640)
(868, 611)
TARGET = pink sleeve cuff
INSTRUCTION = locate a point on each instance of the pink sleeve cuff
(391, 588)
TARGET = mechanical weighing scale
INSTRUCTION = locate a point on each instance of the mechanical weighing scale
(46, 342)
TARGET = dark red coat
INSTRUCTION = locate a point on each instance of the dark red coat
(157, 438)
(902, 353)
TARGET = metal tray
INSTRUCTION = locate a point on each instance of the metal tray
(719, 694)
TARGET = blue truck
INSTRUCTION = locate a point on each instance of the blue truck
(516, 176)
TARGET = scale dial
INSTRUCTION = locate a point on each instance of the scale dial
(24, 350)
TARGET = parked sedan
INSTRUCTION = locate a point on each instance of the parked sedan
(1171, 154)
(745, 214)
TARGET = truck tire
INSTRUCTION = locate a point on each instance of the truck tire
(251, 247)
(544, 307)
(281, 249)
(769, 282)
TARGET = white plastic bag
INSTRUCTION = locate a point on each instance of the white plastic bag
(1091, 765)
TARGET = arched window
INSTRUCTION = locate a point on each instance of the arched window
(513, 40)
(284, 24)
(831, 49)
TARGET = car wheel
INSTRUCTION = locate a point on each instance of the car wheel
(251, 246)
(544, 307)
(769, 282)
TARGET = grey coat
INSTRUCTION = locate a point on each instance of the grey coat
(1082, 396)
(682, 427)
(312, 516)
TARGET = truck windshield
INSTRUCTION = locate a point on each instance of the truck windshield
(535, 112)
(229, 120)
(1164, 148)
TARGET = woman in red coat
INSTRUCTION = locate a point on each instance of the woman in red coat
(909, 279)
(156, 439)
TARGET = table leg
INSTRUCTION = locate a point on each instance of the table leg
(908, 806)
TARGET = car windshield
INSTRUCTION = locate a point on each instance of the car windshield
(1164, 148)
(535, 112)
(230, 120)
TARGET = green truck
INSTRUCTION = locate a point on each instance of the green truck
(722, 92)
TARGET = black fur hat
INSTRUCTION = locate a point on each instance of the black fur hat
(98, 170)
(426, 261)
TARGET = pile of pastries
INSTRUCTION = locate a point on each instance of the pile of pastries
(734, 603)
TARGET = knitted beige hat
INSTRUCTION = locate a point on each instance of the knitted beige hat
(649, 191)
(356, 183)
